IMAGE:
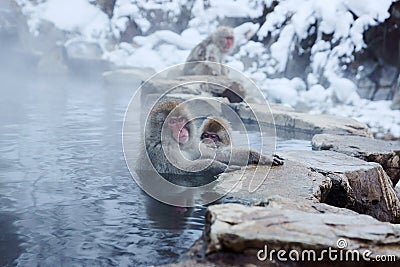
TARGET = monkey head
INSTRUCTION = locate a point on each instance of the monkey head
(224, 38)
(177, 125)
(215, 131)
(171, 120)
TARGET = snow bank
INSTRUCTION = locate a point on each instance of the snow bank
(376, 114)
(291, 23)
(76, 16)
(206, 17)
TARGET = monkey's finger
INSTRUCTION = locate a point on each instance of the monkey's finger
(277, 161)
(279, 157)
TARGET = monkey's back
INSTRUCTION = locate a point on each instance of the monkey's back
(198, 53)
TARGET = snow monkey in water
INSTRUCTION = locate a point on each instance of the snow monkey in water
(214, 48)
(215, 132)
(172, 147)
(170, 143)
(216, 135)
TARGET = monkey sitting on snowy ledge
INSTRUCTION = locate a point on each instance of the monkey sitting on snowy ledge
(206, 58)
(214, 48)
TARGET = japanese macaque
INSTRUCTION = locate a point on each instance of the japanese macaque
(216, 134)
(171, 145)
(214, 48)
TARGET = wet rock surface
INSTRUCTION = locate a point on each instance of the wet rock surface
(356, 184)
(207, 85)
(235, 233)
(320, 176)
(303, 125)
(386, 153)
(293, 180)
(285, 212)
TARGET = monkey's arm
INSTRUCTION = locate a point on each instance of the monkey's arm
(207, 167)
(243, 157)
(181, 166)
(213, 54)
(204, 52)
(188, 163)
(198, 53)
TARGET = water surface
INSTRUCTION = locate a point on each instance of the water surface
(66, 195)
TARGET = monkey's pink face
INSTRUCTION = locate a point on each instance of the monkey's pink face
(228, 42)
(210, 138)
(178, 126)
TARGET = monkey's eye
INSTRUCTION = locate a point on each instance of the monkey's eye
(205, 135)
(181, 119)
(229, 37)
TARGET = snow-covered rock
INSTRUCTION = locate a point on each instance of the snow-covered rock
(344, 90)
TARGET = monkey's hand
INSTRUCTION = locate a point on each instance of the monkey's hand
(267, 160)
(277, 160)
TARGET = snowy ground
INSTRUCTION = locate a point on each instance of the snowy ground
(289, 21)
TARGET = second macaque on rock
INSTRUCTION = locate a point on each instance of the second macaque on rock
(206, 59)
(213, 49)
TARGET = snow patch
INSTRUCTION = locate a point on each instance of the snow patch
(76, 16)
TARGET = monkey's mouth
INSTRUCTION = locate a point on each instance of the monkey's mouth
(210, 138)
(183, 136)
(208, 141)
(229, 42)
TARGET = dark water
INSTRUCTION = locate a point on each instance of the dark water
(66, 195)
